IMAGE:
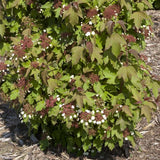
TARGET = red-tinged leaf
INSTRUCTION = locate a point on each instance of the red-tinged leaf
(127, 110)
(149, 104)
(146, 111)
(122, 24)
(110, 26)
(135, 53)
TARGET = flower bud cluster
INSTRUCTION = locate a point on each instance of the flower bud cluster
(45, 41)
(93, 78)
(111, 11)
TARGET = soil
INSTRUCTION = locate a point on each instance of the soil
(15, 144)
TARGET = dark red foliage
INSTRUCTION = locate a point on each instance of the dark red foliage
(28, 109)
(50, 102)
(68, 110)
(66, 34)
(129, 38)
(86, 28)
(45, 40)
(35, 64)
(57, 3)
(92, 132)
(21, 82)
(85, 116)
(111, 11)
(126, 132)
(89, 47)
(98, 116)
(93, 78)
(29, 2)
(26, 43)
(3, 66)
(106, 112)
(75, 124)
(92, 12)
(19, 51)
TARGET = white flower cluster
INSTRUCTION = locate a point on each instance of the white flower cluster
(90, 33)
(23, 115)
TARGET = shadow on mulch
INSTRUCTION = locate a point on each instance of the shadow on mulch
(18, 132)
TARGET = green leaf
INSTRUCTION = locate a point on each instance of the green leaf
(40, 105)
(14, 94)
(44, 77)
(77, 54)
(53, 111)
(155, 89)
(100, 2)
(116, 48)
(146, 111)
(44, 144)
(52, 84)
(126, 110)
(126, 72)
(138, 18)
(47, 5)
(123, 124)
(96, 54)
(2, 29)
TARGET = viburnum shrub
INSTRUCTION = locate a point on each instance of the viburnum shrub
(74, 68)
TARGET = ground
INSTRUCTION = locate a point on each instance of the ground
(16, 145)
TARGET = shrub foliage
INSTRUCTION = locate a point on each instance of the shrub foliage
(74, 68)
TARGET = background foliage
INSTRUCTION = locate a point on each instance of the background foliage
(75, 71)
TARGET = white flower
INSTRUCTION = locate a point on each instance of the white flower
(72, 76)
(97, 111)
(102, 120)
(8, 65)
(50, 45)
(63, 5)
(16, 58)
(104, 117)
(10, 58)
(3, 80)
(72, 106)
(88, 34)
(92, 151)
(86, 123)
(75, 116)
(90, 121)
(132, 133)
(85, 153)
(90, 23)
(116, 111)
(22, 112)
(88, 111)
(102, 111)
(82, 121)
(58, 99)
(17, 71)
(126, 138)
(70, 117)
(120, 106)
(30, 116)
(93, 112)
(12, 54)
(63, 114)
(104, 131)
(98, 122)
(93, 118)
(41, 117)
(94, 122)
(44, 30)
(24, 115)
(93, 32)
